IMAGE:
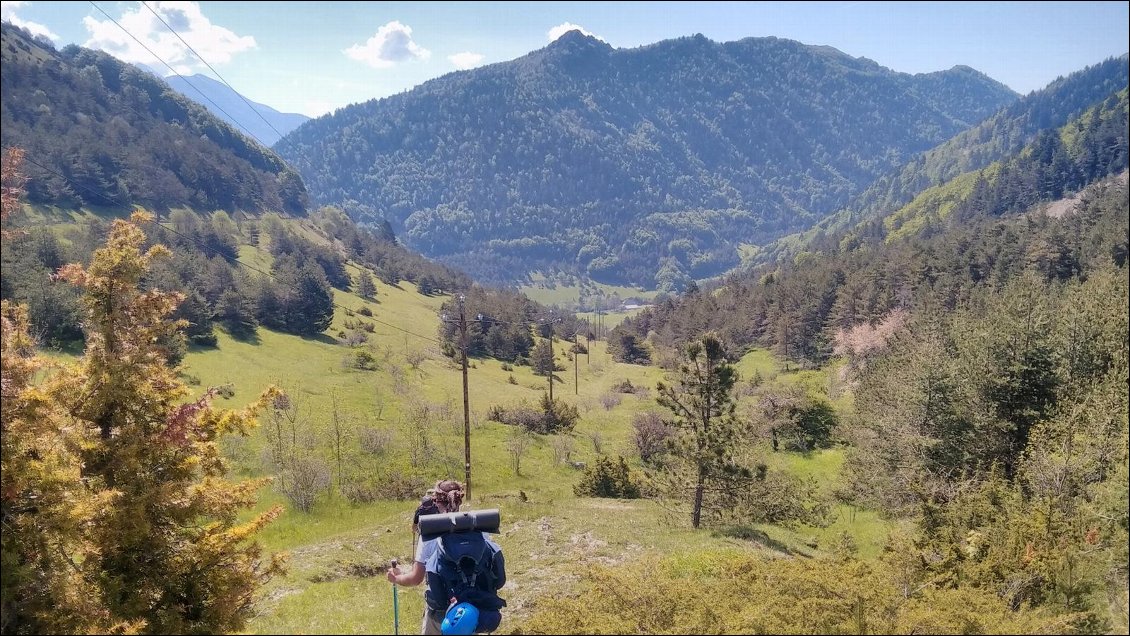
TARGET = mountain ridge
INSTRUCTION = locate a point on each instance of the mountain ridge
(104, 132)
(262, 122)
(621, 164)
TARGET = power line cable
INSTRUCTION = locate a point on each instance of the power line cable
(201, 58)
(104, 198)
(161, 60)
(233, 119)
(232, 259)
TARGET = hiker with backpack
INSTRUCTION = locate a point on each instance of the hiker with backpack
(462, 569)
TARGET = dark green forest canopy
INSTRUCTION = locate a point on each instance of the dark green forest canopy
(101, 132)
(994, 139)
(995, 231)
(621, 163)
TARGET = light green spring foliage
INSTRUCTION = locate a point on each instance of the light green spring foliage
(1027, 396)
(934, 204)
(733, 592)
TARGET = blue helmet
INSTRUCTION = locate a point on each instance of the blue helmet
(461, 619)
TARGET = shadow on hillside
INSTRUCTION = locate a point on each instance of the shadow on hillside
(251, 338)
(747, 533)
(322, 338)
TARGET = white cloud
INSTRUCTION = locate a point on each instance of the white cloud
(8, 14)
(317, 108)
(391, 44)
(214, 43)
(565, 27)
(465, 60)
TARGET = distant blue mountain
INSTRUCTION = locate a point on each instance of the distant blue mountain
(231, 105)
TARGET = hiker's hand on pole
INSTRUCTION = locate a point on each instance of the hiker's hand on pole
(393, 572)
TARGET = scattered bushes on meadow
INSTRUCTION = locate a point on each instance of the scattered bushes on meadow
(608, 478)
(552, 417)
(304, 480)
(694, 594)
(397, 486)
(651, 435)
(360, 359)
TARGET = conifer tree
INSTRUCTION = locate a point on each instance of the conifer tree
(703, 405)
(44, 505)
(43, 501)
(365, 286)
(170, 554)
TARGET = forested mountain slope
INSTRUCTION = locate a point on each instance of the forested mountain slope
(978, 230)
(647, 166)
(101, 132)
(994, 139)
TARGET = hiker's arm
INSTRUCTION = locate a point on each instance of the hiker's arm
(414, 576)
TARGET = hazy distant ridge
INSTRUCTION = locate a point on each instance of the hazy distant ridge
(268, 126)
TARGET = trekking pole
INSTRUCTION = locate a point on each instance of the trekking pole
(395, 607)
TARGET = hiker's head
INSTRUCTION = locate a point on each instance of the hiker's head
(448, 495)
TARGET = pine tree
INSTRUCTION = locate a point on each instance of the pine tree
(703, 405)
(542, 358)
(169, 551)
(365, 286)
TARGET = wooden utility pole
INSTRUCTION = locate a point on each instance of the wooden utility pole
(466, 402)
(576, 354)
(551, 365)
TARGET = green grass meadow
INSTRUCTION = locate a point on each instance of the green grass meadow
(337, 553)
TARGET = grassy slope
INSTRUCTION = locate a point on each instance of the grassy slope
(337, 551)
(548, 538)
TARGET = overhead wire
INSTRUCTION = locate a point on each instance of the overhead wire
(201, 58)
(249, 105)
(234, 259)
(203, 246)
(177, 73)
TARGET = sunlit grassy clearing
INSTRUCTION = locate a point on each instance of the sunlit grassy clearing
(550, 536)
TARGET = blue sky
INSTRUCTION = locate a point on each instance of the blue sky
(313, 57)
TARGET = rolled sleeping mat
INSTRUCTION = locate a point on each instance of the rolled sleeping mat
(432, 526)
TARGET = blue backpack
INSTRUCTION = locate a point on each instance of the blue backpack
(469, 569)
